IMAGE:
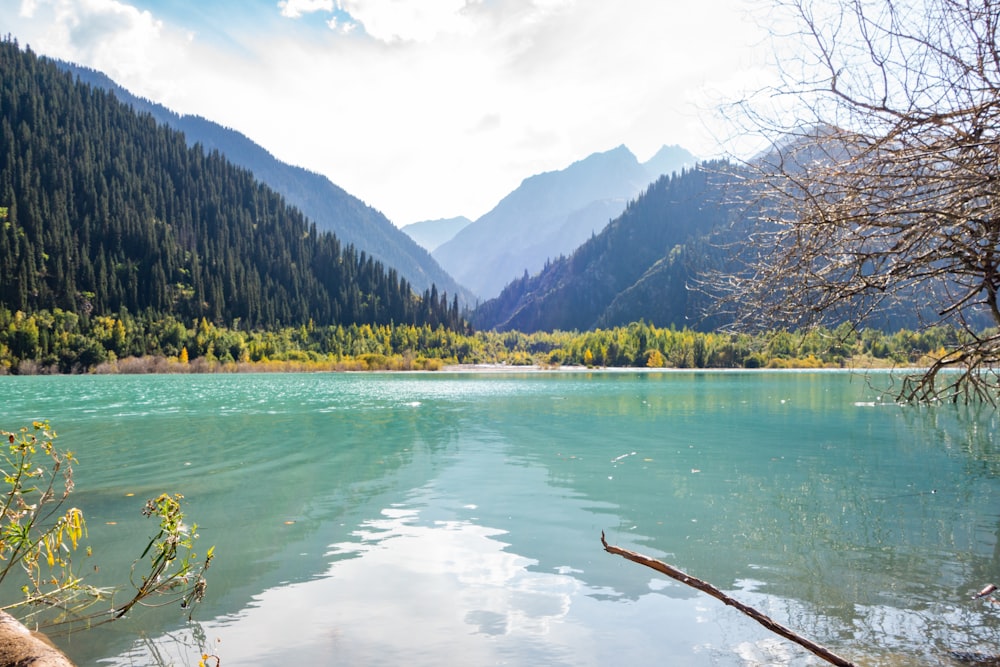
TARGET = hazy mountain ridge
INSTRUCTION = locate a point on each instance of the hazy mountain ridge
(638, 267)
(429, 234)
(651, 264)
(549, 215)
(323, 202)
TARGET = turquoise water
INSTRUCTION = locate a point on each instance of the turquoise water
(427, 519)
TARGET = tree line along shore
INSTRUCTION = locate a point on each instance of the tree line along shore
(56, 341)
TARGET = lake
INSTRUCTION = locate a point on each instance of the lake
(455, 518)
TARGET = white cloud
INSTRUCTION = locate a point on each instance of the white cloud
(402, 20)
(128, 44)
(84, 28)
(294, 9)
(341, 26)
(28, 8)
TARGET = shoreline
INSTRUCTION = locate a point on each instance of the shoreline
(200, 366)
(502, 368)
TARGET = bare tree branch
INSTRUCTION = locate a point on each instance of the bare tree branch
(709, 589)
(883, 194)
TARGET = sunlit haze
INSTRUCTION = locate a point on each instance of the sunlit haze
(422, 108)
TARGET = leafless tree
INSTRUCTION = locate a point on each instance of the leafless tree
(882, 191)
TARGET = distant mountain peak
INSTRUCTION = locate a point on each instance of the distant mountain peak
(669, 159)
(429, 234)
(549, 215)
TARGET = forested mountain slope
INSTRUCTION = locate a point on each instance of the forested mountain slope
(323, 202)
(104, 209)
(637, 268)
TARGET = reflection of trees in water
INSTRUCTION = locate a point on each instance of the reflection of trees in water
(967, 433)
(174, 648)
(874, 532)
(893, 563)
(969, 429)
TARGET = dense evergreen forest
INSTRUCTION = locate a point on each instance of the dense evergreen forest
(324, 203)
(103, 212)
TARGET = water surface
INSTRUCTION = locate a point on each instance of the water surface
(426, 519)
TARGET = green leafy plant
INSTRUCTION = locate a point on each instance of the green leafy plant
(38, 540)
(32, 532)
(174, 568)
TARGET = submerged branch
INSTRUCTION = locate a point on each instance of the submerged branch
(709, 589)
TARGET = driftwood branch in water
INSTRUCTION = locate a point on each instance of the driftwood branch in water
(708, 588)
(19, 646)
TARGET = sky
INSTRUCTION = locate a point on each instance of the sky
(424, 109)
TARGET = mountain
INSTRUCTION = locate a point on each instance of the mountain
(638, 267)
(652, 263)
(326, 204)
(668, 160)
(549, 215)
(429, 234)
(103, 209)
